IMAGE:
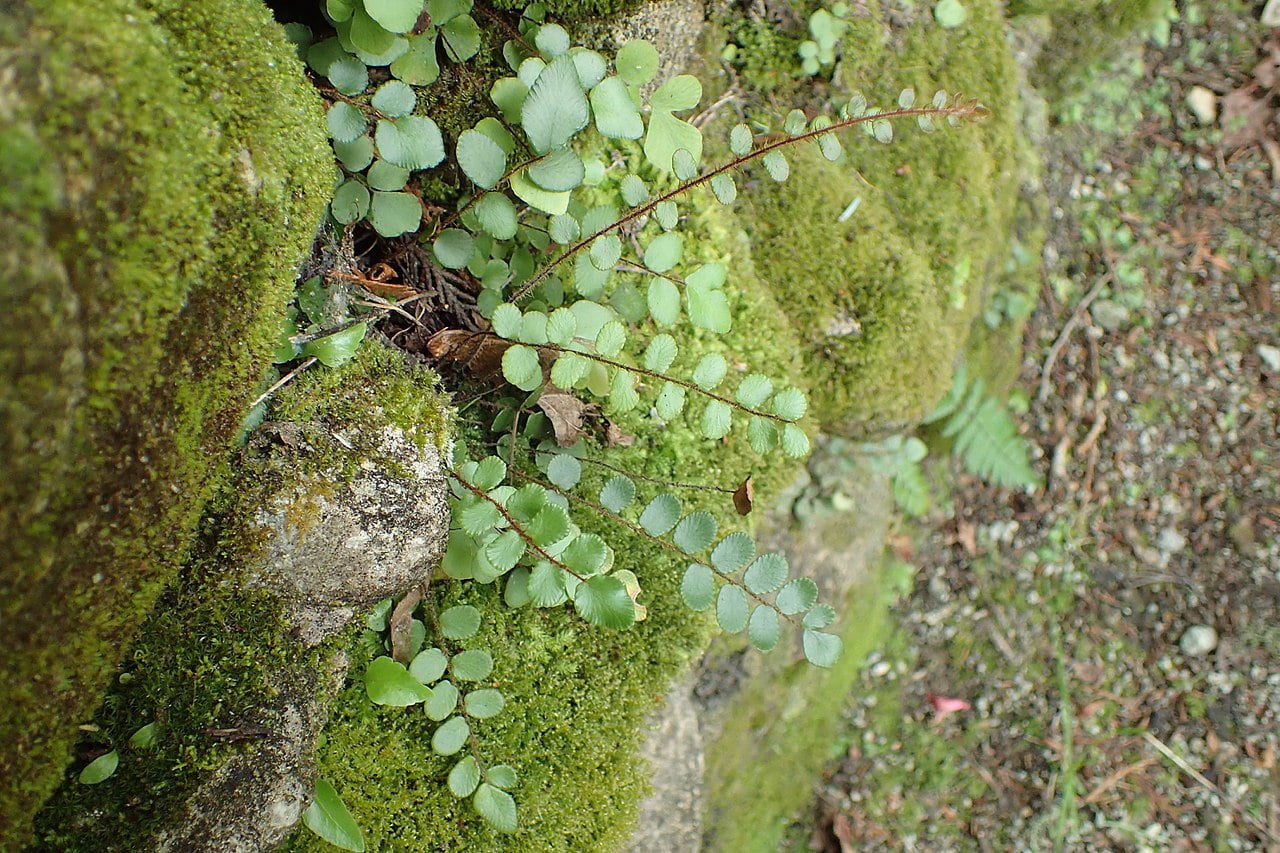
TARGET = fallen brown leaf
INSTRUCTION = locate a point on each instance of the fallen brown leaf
(401, 623)
(565, 412)
(479, 353)
(744, 497)
(615, 437)
(1246, 112)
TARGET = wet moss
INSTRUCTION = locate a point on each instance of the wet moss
(165, 177)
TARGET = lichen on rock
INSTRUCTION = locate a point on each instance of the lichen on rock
(338, 502)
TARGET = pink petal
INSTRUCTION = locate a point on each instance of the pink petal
(944, 705)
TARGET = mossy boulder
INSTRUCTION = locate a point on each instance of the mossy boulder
(238, 664)
(162, 171)
(882, 258)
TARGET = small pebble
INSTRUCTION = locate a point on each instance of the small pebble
(1171, 541)
(1109, 315)
(1198, 640)
(1203, 103)
(1270, 356)
(1271, 14)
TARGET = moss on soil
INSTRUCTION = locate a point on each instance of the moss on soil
(161, 174)
(884, 300)
(1085, 36)
(205, 658)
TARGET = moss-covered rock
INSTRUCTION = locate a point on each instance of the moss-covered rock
(883, 295)
(236, 666)
(162, 171)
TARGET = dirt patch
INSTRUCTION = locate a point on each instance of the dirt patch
(1115, 633)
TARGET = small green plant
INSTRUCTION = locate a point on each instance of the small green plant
(574, 166)
(985, 435)
(826, 28)
(899, 458)
(328, 817)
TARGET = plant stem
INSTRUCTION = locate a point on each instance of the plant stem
(972, 109)
(515, 525)
(704, 487)
(661, 377)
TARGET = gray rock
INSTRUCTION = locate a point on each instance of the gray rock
(1111, 316)
(1198, 640)
(368, 520)
(671, 816)
(336, 548)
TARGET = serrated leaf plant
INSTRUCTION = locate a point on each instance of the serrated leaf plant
(569, 222)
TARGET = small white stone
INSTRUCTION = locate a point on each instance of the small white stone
(1271, 14)
(1270, 356)
(1171, 541)
(1198, 640)
(1203, 103)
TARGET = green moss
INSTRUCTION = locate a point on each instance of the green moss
(165, 175)
(884, 300)
(1085, 37)
(211, 652)
(781, 729)
(573, 11)
(404, 396)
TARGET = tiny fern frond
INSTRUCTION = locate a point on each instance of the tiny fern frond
(985, 435)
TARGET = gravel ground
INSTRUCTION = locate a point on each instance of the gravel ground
(1115, 634)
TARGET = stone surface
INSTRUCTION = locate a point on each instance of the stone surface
(1198, 640)
(672, 26)
(335, 549)
(671, 817)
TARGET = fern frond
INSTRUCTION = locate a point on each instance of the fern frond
(985, 435)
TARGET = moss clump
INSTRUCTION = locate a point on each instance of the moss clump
(209, 656)
(884, 300)
(164, 174)
(1085, 36)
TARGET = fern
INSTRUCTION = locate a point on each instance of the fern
(984, 434)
